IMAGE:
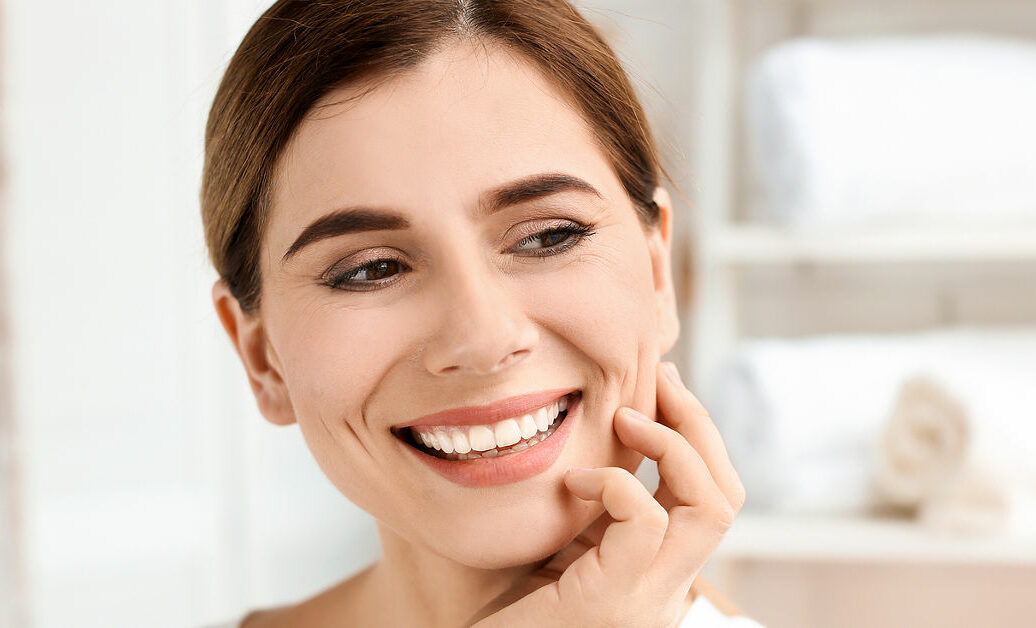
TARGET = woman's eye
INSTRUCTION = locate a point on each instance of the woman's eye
(555, 240)
(381, 272)
(369, 276)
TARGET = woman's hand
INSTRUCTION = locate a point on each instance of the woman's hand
(635, 565)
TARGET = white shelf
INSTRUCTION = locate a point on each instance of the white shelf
(754, 245)
(864, 540)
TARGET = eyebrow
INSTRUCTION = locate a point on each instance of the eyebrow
(359, 219)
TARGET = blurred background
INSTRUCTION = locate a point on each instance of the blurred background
(856, 262)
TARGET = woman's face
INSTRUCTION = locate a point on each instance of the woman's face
(468, 302)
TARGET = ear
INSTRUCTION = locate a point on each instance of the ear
(249, 339)
(660, 242)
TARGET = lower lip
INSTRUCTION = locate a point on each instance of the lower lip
(509, 467)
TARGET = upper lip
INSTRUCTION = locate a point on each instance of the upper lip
(496, 411)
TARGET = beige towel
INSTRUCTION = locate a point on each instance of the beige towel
(924, 445)
(926, 468)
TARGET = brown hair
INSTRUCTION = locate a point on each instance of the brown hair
(299, 51)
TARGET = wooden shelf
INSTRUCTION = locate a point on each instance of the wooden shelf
(864, 540)
(754, 245)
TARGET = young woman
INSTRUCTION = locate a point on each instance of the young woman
(444, 252)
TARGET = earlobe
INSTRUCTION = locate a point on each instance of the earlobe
(248, 336)
(660, 242)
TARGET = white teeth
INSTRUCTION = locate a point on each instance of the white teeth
(507, 433)
(460, 442)
(527, 425)
(469, 442)
(481, 437)
(542, 418)
(445, 442)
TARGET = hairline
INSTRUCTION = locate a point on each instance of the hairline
(355, 88)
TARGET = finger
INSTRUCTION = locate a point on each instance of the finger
(682, 411)
(681, 467)
(630, 543)
(700, 515)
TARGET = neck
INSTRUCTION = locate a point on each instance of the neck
(417, 587)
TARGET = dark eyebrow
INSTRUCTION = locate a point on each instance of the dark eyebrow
(358, 219)
(534, 187)
(348, 220)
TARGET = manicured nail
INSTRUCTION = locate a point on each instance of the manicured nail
(673, 374)
(633, 414)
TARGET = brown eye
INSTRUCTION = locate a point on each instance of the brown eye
(379, 270)
(554, 241)
(369, 276)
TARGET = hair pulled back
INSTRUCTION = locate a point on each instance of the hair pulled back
(300, 50)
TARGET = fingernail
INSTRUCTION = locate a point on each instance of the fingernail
(673, 374)
(633, 414)
(577, 471)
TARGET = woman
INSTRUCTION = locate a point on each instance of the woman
(444, 252)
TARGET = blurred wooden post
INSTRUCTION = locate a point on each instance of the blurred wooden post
(13, 609)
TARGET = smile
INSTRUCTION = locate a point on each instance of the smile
(524, 441)
(501, 438)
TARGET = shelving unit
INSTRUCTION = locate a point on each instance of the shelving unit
(757, 245)
(820, 555)
(729, 35)
(873, 541)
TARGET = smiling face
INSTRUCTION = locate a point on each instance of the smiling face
(483, 249)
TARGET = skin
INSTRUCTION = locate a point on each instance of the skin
(471, 318)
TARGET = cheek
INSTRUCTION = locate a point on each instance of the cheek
(336, 356)
(603, 305)
(333, 359)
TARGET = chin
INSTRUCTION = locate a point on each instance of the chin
(528, 536)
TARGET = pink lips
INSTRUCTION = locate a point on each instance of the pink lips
(496, 411)
(507, 468)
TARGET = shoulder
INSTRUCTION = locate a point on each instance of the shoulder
(341, 600)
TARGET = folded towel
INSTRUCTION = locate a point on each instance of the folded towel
(925, 467)
(892, 130)
(803, 419)
(924, 444)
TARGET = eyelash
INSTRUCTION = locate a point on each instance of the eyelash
(576, 233)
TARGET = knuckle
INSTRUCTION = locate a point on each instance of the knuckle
(723, 518)
(739, 496)
(654, 515)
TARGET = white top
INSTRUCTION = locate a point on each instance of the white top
(702, 614)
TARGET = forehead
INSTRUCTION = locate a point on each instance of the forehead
(467, 119)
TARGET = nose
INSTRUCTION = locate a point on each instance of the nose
(482, 327)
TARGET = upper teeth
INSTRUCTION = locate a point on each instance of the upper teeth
(462, 439)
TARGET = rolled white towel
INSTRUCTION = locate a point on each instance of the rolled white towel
(892, 130)
(924, 444)
(803, 418)
(925, 465)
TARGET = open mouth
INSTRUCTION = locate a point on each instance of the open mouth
(500, 438)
